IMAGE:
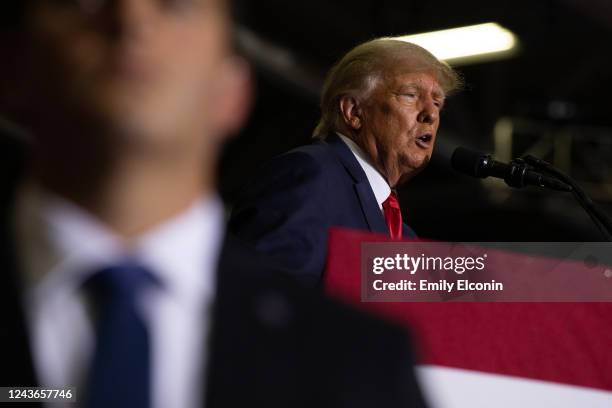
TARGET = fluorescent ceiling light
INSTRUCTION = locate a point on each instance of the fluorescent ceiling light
(476, 43)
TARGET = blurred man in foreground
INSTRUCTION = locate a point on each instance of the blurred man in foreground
(380, 112)
(118, 277)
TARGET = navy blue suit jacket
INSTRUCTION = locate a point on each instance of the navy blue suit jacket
(287, 209)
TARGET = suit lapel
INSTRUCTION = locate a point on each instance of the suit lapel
(17, 368)
(253, 334)
(370, 208)
(363, 190)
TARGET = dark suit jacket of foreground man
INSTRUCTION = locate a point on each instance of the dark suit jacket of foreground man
(288, 208)
(273, 343)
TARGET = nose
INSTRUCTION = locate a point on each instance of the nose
(428, 113)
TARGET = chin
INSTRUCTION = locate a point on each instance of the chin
(410, 172)
(406, 177)
(126, 110)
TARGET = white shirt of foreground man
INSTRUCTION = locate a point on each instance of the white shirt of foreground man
(62, 245)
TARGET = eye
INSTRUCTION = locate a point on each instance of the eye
(409, 95)
(82, 6)
(439, 104)
(66, 3)
(178, 5)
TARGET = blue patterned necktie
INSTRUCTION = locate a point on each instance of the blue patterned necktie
(120, 371)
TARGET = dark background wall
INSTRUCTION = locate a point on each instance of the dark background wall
(554, 93)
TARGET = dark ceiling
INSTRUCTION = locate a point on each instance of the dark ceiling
(564, 44)
(564, 58)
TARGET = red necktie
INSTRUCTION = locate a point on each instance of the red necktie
(393, 216)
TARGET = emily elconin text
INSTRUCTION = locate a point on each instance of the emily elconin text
(441, 285)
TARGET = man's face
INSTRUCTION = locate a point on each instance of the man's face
(399, 123)
(151, 69)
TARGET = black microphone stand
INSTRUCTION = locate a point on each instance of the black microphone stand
(601, 219)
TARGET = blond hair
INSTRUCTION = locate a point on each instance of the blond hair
(358, 72)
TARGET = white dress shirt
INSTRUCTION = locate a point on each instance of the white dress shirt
(61, 246)
(379, 185)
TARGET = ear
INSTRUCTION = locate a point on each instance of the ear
(235, 99)
(351, 112)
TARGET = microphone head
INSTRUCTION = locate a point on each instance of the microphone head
(469, 162)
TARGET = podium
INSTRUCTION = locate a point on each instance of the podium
(543, 352)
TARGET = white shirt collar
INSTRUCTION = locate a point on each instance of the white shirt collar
(62, 244)
(379, 185)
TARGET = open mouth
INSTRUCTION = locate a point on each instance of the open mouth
(424, 141)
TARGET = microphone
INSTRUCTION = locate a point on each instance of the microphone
(516, 174)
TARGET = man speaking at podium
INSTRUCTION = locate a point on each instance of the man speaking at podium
(380, 112)
(118, 277)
